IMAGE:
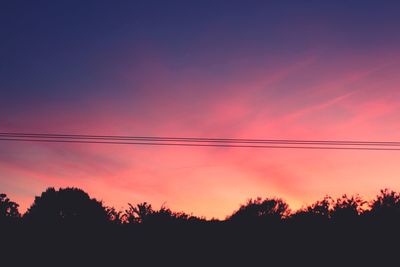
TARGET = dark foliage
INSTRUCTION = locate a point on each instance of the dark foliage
(320, 211)
(347, 208)
(8, 209)
(267, 210)
(143, 213)
(69, 205)
(261, 232)
(114, 216)
(386, 206)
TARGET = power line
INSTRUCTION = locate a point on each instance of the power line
(202, 142)
(199, 145)
(200, 139)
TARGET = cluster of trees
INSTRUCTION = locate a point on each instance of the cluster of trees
(73, 205)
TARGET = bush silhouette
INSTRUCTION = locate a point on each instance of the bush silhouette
(144, 213)
(8, 209)
(138, 214)
(68, 205)
(114, 216)
(270, 210)
(317, 212)
(166, 215)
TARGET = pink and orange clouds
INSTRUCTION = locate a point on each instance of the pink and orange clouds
(314, 96)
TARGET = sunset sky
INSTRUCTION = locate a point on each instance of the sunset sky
(225, 69)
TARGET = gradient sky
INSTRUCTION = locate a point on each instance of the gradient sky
(228, 69)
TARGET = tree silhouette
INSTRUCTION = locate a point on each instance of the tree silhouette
(68, 205)
(166, 215)
(347, 208)
(319, 211)
(144, 213)
(114, 216)
(270, 209)
(386, 206)
(312, 232)
(138, 214)
(8, 209)
(344, 208)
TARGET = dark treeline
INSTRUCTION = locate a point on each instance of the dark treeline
(74, 206)
(68, 224)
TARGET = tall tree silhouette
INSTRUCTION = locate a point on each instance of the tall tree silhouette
(68, 205)
(8, 209)
(270, 210)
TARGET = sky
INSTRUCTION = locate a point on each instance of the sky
(222, 69)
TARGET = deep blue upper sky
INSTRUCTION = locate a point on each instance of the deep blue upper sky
(48, 45)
